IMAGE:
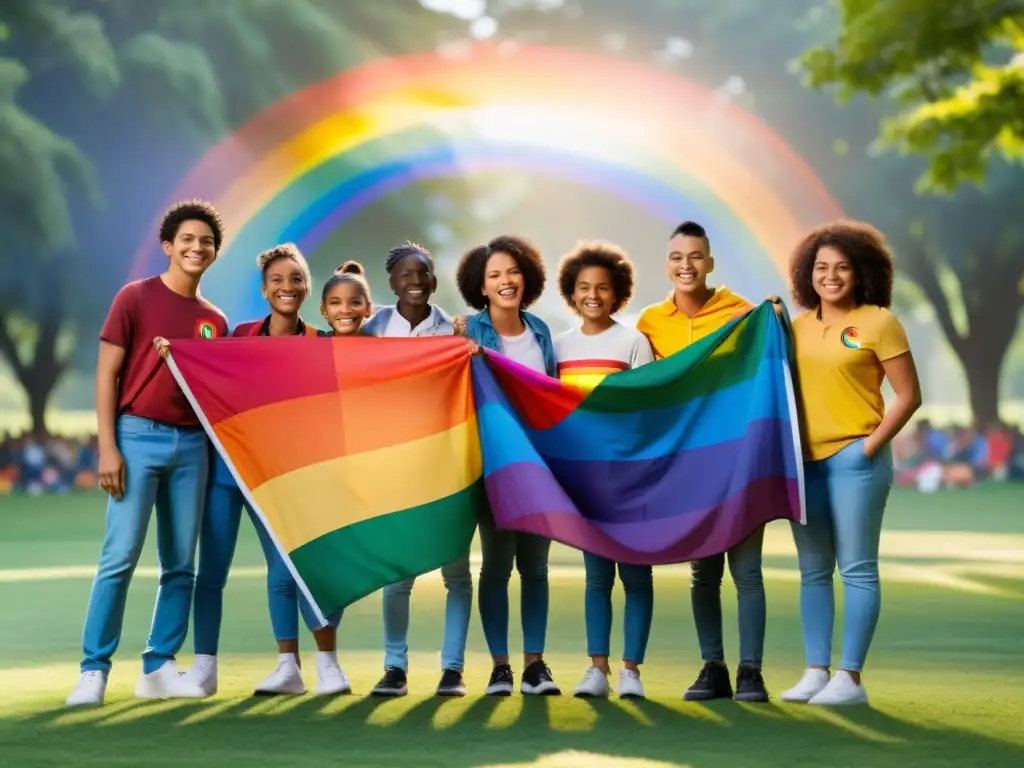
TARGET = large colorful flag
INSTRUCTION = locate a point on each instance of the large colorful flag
(368, 459)
(669, 462)
(360, 455)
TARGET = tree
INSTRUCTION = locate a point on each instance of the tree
(969, 262)
(955, 70)
(956, 106)
(39, 171)
(99, 99)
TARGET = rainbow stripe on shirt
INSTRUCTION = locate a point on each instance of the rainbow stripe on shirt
(587, 374)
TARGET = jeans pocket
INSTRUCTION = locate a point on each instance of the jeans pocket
(133, 426)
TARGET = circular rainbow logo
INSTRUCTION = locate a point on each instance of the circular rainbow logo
(850, 338)
(668, 146)
(206, 330)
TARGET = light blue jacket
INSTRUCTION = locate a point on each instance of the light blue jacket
(438, 323)
(480, 329)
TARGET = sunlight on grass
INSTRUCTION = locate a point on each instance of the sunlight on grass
(563, 718)
(209, 712)
(506, 713)
(451, 714)
(834, 718)
(574, 759)
(391, 712)
(955, 575)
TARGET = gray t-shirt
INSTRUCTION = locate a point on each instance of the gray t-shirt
(584, 360)
(525, 350)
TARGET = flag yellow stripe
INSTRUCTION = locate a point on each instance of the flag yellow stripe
(307, 503)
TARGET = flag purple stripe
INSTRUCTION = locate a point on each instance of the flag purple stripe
(669, 540)
(644, 490)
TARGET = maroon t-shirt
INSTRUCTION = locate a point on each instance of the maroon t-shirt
(142, 311)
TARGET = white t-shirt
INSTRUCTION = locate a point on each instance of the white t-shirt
(584, 360)
(525, 350)
(398, 326)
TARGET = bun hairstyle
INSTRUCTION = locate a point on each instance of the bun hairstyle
(349, 272)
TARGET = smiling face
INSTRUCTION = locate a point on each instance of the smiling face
(833, 277)
(345, 308)
(503, 281)
(192, 251)
(689, 263)
(284, 286)
(594, 295)
(413, 281)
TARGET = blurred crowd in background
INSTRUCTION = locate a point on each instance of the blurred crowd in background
(931, 458)
(926, 457)
(49, 464)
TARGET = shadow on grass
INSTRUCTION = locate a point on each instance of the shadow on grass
(480, 731)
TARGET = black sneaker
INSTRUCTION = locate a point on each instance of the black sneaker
(537, 680)
(392, 684)
(451, 684)
(750, 685)
(501, 683)
(712, 683)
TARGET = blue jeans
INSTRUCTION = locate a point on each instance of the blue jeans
(457, 607)
(500, 549)
(165, 467)
(639, 585)
(846, 496)
(219, 534)
(706, 600)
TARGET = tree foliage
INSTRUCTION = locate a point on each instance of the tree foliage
(98, 95)
(955, 70)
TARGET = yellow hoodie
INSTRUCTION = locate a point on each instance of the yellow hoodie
(669, 330)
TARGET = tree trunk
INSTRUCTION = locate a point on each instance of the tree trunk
(983, 368)
(39, 377)
(43, 377)
(992, 303)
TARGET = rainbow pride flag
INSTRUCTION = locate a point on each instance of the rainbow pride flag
(360, 455)
(369, 459)
(673, 461)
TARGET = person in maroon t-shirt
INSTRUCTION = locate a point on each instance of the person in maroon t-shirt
(153, 451)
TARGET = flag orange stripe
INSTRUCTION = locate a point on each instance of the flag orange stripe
(278, 438)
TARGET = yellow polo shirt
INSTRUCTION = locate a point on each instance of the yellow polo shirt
(669, 330)
(840, 372)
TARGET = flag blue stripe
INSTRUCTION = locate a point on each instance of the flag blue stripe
(596, 436)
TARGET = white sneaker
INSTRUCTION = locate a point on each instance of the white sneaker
(286, 680)
(167, 683)
(203, 673)
(811, 684)
(330, 680)
(593, 685)
(89, 690)
(630, 686)
(841, 691)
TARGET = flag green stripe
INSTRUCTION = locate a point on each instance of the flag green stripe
(664, 384)
(345, 565)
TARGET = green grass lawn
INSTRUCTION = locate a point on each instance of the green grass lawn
(945, 675)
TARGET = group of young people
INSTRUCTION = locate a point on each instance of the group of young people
(153, 452)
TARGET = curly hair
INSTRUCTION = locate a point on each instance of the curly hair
(597, 253)
(408, 248)
(285, 251)
(349, 272)
(863, 245)
(469, 274)
(191, 210)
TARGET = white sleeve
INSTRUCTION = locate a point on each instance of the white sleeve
(642, 353)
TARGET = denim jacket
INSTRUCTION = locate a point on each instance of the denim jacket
(439, 324)
(480, 329)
